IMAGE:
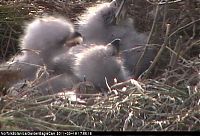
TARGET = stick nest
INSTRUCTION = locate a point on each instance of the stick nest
(168, 100)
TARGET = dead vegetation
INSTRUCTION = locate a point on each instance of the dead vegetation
(166, 97)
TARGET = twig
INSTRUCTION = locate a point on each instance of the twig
(163, 2)
(190, 46)
(149, 38)
(182, 28)
(146, 74)
(177, 49)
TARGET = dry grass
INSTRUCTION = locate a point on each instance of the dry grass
(168, 101)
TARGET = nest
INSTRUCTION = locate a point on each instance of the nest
(168, 100)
